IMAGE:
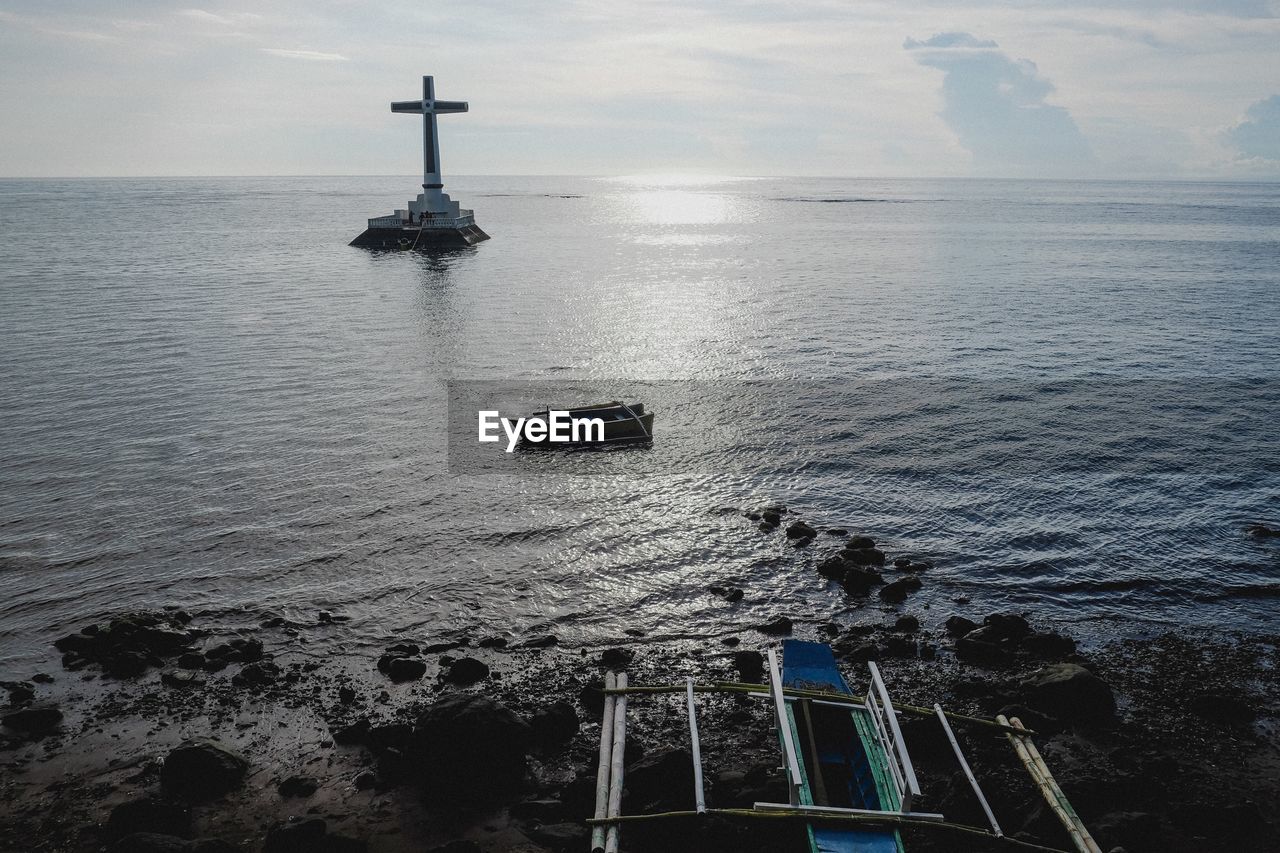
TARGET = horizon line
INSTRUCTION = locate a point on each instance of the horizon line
(692, 175)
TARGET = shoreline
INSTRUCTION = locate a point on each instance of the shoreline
(344, 736)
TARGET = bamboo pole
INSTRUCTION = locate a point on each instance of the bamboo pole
(1044, 781)
(615, 766)
(842, 698)
(968, 771)
(602, 768)
(695, 747)
(809, 817)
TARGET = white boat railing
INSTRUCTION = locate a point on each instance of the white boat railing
(795, 778)
(885, 720)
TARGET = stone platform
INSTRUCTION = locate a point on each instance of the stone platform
(421, 239)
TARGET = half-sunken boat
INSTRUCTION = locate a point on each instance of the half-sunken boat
(619, 423)
(850, 781)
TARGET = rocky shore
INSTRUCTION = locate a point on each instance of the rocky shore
(158, 733)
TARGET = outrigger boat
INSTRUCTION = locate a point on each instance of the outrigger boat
(841, 756)
(850, 780)
(623, 424)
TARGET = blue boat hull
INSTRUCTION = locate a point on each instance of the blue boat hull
(842, 761)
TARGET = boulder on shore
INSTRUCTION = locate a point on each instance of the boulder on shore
(749, 664)
(148, 815)
(660, 781)
(466, 671)
(554, 725)
(34, 722)
(1071, 693)
(202, 769)
(474, 747)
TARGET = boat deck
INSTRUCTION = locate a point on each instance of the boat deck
(843, 763)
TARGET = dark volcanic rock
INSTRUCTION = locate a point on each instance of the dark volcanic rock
(1047, 645)
(906, 624)
(406, 669)
(191, 660)
(202, 769)
(858, 581)
(975, 647)
(352, 733)
(833, 567)
(390, 736)
(475, 747)
(1262, 531)
(857, 543)
(256, 675)
(897, 591)
(466, 671)
(298, 786)
(800, 530)
(554, 725)
(616, 658)
(182, 679)
(148, 814)
(661, 781)
(749, 664)
(958, 626)
(1071, 693)
(34, 722)
(1007, 626)
(126, 664)
(20, 694)
(777, 626)
(591, 697)
(864, 556)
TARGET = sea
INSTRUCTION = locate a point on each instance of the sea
(1062, 395)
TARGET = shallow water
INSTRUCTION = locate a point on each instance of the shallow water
(210, 400)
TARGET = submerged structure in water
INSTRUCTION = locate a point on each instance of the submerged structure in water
(432, 220)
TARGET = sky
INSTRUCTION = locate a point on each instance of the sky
(1135, 89)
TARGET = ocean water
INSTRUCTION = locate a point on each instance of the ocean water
(1063, 394)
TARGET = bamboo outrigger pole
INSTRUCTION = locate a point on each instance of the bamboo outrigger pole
(618, 746)
(602, 768)
(864, 819)
(1043, 779)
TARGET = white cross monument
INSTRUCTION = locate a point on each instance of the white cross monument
(433, 219)
(433, 200)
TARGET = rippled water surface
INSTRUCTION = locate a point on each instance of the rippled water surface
(210, 400)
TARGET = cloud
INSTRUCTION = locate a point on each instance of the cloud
(996, 107)
(309, 55)
(1258, 133)
(949, 40)
(225, 20)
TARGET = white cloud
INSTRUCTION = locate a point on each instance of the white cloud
(310, 55)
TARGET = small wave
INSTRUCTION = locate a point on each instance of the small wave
(857, 200)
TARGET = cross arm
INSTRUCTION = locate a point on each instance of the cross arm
(406, 107)
(450, 107)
